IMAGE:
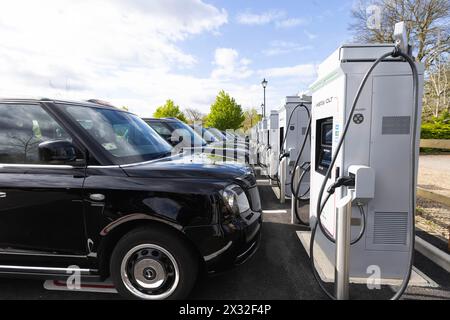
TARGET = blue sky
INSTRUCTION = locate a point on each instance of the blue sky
(322, 26)
(139, 53)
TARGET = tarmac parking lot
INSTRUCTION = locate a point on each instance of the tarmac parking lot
(279, 270)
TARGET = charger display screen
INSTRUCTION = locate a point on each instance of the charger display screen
(327, 134)
(324, 143)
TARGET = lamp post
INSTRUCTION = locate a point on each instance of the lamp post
(264, 84)
(262, 110)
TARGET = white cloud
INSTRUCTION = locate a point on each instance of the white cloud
(249, 18)
(127, 52)
(291, 22)
(284, 47)
(229, 65)
(143, 31)
(278, 17)
(81, 46)
(177, 18)
(306, 71)
(287, 80)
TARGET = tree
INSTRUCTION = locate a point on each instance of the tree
(169, 110)
(437, 89)
(426, 20)
(252, 117)
(428, 32)
(193, 115)
(225, 113)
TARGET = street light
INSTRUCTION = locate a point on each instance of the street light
(264, 84)
(262, 110)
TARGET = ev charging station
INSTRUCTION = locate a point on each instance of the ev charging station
(263, 138)
(258, 141)
(253, 144)
(293, 123)
(274, 144)
(366, 110)
(360, 164)
(258, 132)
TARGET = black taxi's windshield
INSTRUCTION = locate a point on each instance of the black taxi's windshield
(126, 137)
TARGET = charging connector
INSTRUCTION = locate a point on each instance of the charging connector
(346, 181)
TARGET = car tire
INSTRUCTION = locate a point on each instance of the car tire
(153, 263)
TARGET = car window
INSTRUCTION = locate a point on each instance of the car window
(22, 129)
(207, 136)
(219, 135)
(126, 137)
(195, 138)
(161, 129)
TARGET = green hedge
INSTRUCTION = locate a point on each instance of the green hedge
(436, 131)
(438, 128)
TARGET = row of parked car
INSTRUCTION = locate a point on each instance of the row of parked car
(87, 188)
(195, 138)
(197, 134)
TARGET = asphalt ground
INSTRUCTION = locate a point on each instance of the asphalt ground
(279, 270)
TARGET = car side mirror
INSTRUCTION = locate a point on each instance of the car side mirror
(57, 151)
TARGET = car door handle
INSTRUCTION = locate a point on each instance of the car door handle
(2, 195)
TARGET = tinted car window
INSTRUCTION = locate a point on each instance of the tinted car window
(122, 135)
(196, 139)
(207, 136)
(22, 129)
(161, 128)
(219, 135)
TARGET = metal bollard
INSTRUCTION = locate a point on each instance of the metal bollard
(343, 236)
(282, 174)
(296, 178)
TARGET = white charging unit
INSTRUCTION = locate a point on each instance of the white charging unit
(296, 131)
(376, 151)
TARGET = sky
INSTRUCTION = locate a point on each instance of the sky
(139, 53)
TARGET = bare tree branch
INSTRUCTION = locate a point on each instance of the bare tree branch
(193, 115)
(428, 23)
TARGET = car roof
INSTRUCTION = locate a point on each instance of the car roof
(89, 103)
(161, 119)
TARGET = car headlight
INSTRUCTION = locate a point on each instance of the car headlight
(235, 199)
